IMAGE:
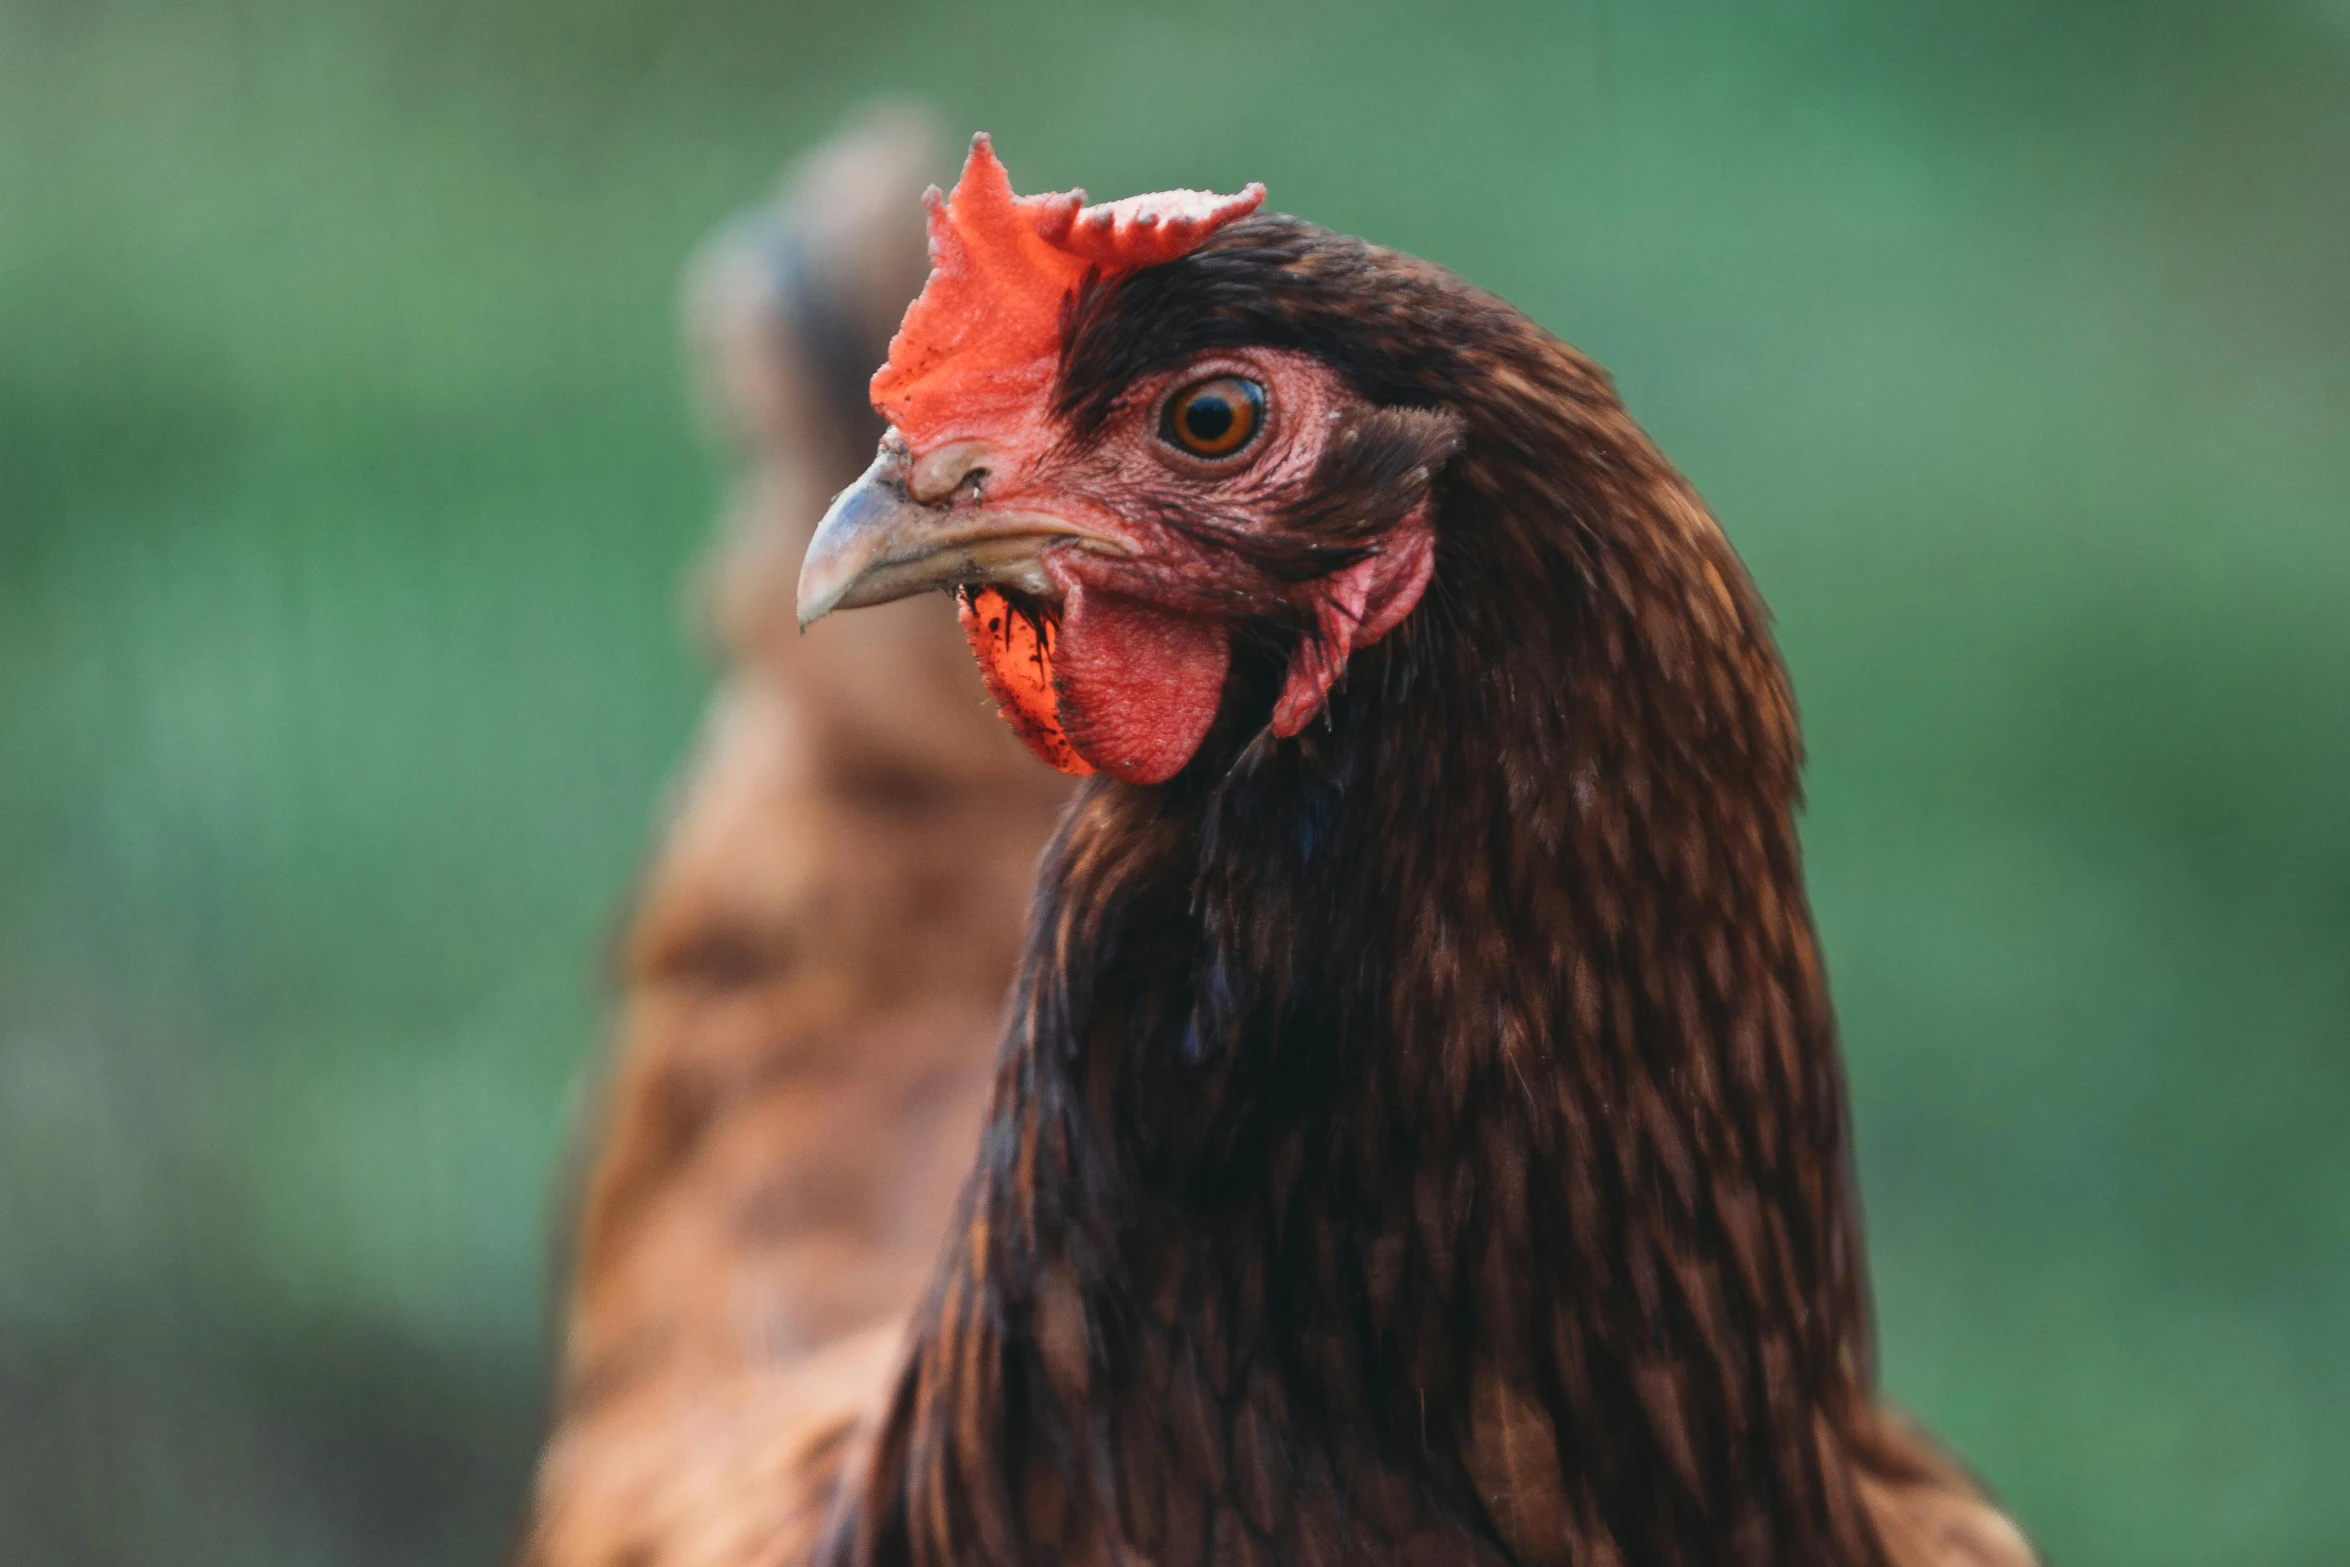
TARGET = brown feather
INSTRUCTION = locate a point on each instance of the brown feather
(1424, 1141)
(815, 969)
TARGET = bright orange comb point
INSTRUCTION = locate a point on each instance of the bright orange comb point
(981, 341)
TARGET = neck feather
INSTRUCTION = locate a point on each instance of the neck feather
(1431, 1127)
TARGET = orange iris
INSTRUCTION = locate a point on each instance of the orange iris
(1215, 417)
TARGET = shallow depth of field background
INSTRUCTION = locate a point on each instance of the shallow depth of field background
(346, 484)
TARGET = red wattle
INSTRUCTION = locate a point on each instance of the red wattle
(1138, 685)
(1115, 683)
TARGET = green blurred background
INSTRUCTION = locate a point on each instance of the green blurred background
(346, 483)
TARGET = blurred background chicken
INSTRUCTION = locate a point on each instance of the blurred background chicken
(345, 488)
(816, 967)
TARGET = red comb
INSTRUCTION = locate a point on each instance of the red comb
(983, 336)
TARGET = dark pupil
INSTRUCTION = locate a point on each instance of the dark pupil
(1208, 418)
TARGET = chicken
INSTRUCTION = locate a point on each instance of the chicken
(816, 971)
(1420, 1135)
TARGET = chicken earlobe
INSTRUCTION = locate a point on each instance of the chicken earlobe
(1358, 605)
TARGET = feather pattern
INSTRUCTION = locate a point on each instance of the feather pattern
(1422, 1140)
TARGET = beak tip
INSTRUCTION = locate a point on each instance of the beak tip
(837, 555)
(814, 602)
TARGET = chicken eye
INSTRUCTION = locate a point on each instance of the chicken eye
(1214, 418)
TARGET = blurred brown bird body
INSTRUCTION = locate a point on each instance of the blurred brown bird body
(816, 968)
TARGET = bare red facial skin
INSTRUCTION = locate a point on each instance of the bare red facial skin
(1015, 652)
(1143, 649)
(1131, 675)
(1112, 680)
(1126, 671)
(1138, 684)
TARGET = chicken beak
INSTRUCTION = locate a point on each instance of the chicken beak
(877, 543)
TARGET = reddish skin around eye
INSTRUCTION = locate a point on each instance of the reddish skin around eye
(1134, 673)
(1119, 684)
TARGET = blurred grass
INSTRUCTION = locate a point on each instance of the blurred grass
(345, 482)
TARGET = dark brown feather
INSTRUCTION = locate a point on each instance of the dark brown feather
(1423, 1141)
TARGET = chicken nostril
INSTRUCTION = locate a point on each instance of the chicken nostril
(947, 472)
